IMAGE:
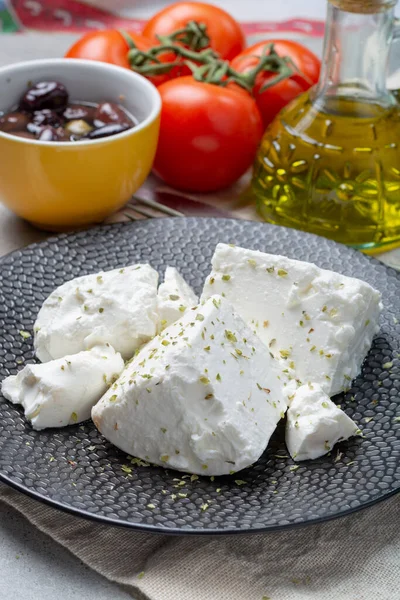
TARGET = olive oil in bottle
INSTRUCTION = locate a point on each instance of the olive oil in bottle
(330, 162)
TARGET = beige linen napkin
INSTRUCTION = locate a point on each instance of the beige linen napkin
(352, 558)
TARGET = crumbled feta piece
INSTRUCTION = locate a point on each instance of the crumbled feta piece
(320, 322)
(118, 307)
(315, 424)
(204, 396)
(175, 296)
(62, 392)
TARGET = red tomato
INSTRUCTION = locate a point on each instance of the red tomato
(272, 100)
(209, 135)
(111, 47)
(226, 35)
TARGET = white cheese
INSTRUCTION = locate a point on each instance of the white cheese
(118, 307)
(315, 424)
(320, 321)
(203, 397)
(175, 296)
(62, 392)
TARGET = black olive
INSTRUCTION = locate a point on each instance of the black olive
(45, 94)
(14, 121)
(108, 112)
(35, 129)
(47, 117)
(77, 112)
(107, 130)
(50, 134)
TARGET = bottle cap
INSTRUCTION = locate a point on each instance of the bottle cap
(364, 6)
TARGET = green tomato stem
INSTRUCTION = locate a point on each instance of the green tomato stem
(204, 63)
(194, 35)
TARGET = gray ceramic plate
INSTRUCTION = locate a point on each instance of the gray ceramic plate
(75, 469)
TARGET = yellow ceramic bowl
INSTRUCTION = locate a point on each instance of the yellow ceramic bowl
(59, 185)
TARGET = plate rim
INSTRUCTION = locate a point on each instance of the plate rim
(174, 531)
(54, 236)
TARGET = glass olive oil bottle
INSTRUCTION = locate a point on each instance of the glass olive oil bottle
(330, 162)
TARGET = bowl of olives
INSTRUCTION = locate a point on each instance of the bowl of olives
(77, 139)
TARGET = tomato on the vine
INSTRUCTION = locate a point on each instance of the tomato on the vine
(209, 134)
(226, 35)
(273, 99)
(110, 46)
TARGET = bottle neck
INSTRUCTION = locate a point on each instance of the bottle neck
(356, 53)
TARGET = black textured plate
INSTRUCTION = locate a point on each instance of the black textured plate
(77, 470)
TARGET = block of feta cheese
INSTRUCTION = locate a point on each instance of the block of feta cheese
(118, 307)
(315, 424)
(175, 296)
(62, 392)
(320, 322)
(203, 397)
